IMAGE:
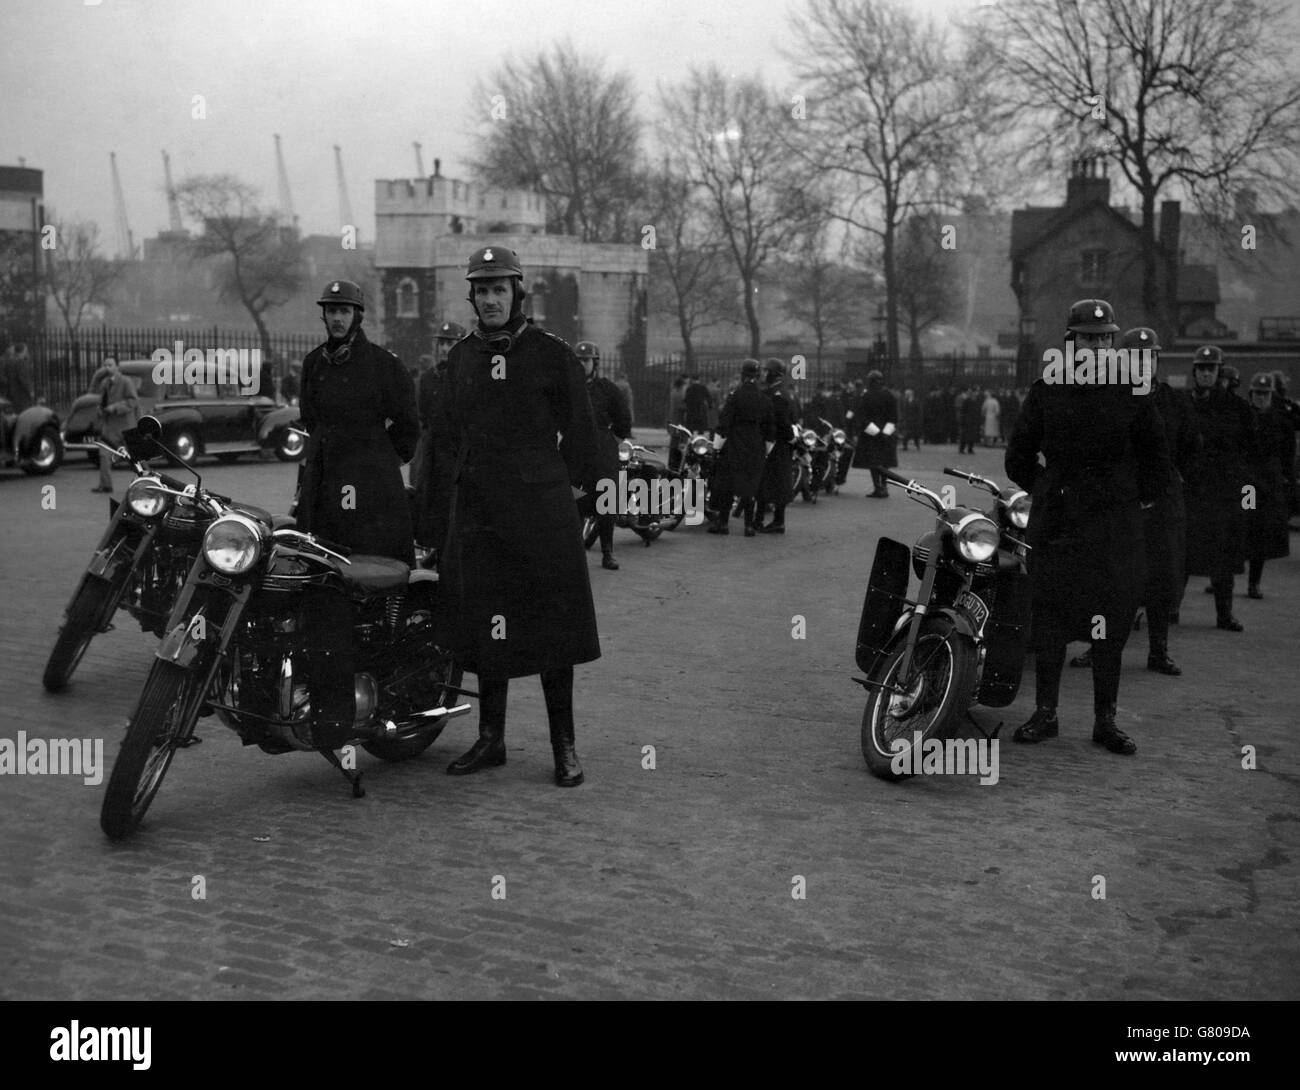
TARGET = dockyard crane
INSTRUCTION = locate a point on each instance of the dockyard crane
(287, 218)
(345, 205)
(173, 206)
(125, 240)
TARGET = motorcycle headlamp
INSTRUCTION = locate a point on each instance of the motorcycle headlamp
(624, 450)
(977, 538)
(1017, 507)
(146, 498)
(839, 436)
(809, 438)
(232, 544)
(700, 446)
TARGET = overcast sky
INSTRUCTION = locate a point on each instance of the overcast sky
(80, 79)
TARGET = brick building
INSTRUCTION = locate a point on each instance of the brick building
(425, 231)
(22, 304)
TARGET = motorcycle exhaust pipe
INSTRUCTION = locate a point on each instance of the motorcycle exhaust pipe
(392, 730)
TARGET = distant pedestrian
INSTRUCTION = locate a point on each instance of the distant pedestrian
(991, 409)
(1267, 536)
(118, 409)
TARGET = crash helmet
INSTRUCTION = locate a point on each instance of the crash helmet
(342, 293)
(1279, 383)
(1091, 316)
(1142, 337)
(749, 369)
(489, 262)
(449, 331)
(773, 370)
(874, 377)
(587, 350)
(1262, 381)
(1229, 376)
(1209, 355)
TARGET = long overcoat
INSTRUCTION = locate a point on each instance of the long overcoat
(1165, 523)
(775, 485)
(1105, 455)
(119, 410)
(516, 593)
(431, 466)
(361, 415)
(880, 407)
(1267, 535)
(613, 420)
(746, 423)
(1216, 519)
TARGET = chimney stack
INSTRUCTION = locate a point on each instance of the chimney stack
(1087, 182)
(437, 168)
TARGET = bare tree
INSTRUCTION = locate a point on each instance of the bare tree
(261, 263)
(728, 132)
(823, 294)
(927, 278)
(76, 273)
(889, 107)
(690, 275)
(1195, 97)
(560, 125)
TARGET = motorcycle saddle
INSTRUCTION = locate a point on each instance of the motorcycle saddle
(375, 574)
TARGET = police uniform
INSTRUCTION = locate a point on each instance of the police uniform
(746, 424)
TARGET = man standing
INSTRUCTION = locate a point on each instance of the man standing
(746, 425)
(358, 406)
(1267, 536)
(877, 416)
(118, 408)
(1216, 526)
(1104, 456)
(613, 422)
(431, 466)
(517, 591)
(774, 488)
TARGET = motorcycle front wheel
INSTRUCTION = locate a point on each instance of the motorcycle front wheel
(933, 696)
(93, 601)
(163, 720)
(590, 531)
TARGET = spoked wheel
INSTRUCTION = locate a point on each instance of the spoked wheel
(163, 721)
(86, 614)
(590, 531)
(932, 697)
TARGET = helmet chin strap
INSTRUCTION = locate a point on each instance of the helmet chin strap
(502, 339)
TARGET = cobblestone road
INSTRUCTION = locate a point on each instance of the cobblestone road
(674, 882)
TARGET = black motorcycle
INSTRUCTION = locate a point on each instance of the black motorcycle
(238, 643)
(960, 641)
(651, 498)
(139, 565)
(833, 445)
(699, 460)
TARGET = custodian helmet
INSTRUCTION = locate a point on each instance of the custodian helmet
(342, 293)
(1091, 316)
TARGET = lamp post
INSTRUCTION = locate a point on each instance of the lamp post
(1026, 371)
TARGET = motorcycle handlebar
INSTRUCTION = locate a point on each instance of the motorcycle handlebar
(341, 551)
(973, 478)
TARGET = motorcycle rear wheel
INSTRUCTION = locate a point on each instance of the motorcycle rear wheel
(85, 615)
(939, 689)
(403, 749)
(163, 719)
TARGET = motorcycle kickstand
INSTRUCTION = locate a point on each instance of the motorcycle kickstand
(353, 777)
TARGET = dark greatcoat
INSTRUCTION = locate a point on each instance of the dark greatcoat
(431, 467)
(345, 407)
(774, 487)
(880, 407)
(1105, 454)
(911, 417)
(696, 403)
(1216, 521)
(613, 419)
(1165, 524)
(516, 591)
(971, 419)
(1267, 535)
(825, 406)
(746, 424)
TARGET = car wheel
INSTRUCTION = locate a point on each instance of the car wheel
(48, 456)
(289, 446)
(186, 445)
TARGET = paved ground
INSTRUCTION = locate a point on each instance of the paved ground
(673, 882)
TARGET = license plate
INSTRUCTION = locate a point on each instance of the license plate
(974, 605)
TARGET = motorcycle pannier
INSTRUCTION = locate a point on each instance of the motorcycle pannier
(885, 599)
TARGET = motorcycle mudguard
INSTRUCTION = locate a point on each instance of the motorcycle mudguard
(1006, 640)
(884, 601)
(181, 645)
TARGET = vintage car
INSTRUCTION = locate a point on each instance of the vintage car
(196, 418)
(29, 439)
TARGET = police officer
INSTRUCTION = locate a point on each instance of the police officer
(358, 404)
(1104, 453)
(1267, 535)
(877, 416)
(517, 593)
(613, 419)
(745, 424)
(1229, 378)
(431, 466)
(774, 487)
(1214, 481)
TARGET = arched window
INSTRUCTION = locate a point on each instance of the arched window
(408, 298)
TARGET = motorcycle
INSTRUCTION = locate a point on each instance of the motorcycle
(804, 445)
(826, 462)
(139, 565)
(699, 459)
(651, 497)
(961, 641)
(1010, 511)
(237, 644)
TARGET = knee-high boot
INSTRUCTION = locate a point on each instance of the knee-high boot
(490, 749)
(557, 688)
